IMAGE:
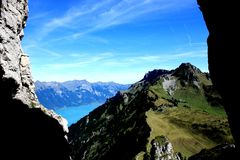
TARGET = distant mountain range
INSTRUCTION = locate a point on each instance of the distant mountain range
(75, 93)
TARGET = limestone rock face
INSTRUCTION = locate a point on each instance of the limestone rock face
(162, 149)
(14, 63)
(31, 131)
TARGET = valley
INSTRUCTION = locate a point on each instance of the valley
(73, 113)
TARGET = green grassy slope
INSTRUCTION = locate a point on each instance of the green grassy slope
(189, 130)
(192, 123)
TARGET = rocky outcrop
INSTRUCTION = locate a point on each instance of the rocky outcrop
(29, 130)
(187, 72)
(162, 149)
(223, 44)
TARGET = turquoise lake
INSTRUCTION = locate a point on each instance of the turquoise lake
(73, 114)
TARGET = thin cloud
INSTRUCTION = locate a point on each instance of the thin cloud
(72, 15)
(48, 52)
(39, 16)
(150, 59)
(91, 17)
(82, 60)
(97, 39)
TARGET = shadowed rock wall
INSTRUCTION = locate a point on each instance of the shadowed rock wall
(29, 130)
(223, 49)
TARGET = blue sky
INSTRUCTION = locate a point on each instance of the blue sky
(112, 40)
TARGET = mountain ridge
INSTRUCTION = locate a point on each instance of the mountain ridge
(127, 123)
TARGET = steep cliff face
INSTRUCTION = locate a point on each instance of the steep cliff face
(223, 44)
(29, 130)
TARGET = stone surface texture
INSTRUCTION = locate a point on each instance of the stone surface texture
(33, 131)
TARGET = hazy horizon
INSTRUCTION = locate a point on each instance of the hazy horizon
(112, 40)
(99, 81)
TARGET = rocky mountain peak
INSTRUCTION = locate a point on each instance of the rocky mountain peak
(75, 84)
(153, 75)
(188, 72)
(187, 67)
